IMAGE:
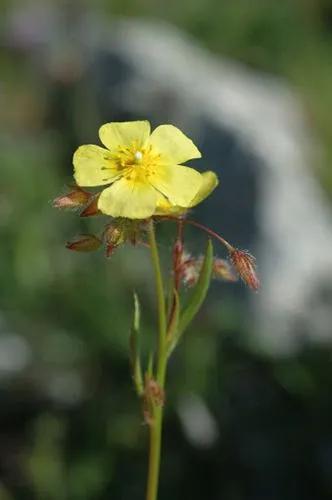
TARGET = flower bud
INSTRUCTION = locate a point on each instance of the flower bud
(75, 198)
(92, 209)
(190, 274)
(189, 269)
(87, 243)
(223, 270)
(122, 231)
(245, 265)
(114, 235)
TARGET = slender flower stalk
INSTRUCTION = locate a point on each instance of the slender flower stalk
(210, 232)
(206, 229)
(157, 415)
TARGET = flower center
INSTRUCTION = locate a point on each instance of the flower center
(137, 163)
(138, 157)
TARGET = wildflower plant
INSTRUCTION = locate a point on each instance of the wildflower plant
(140, 180)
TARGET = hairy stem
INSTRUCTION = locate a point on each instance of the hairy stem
(206, 229)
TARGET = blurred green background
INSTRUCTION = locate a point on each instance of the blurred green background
(70, 424)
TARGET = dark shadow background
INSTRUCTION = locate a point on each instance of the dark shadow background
(240, 424)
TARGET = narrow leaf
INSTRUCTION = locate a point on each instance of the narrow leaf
(199, 292)
(134, 348)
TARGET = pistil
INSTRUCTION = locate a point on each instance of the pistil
(138, 157)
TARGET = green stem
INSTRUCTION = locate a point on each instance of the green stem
(154, 455)
(157, 417)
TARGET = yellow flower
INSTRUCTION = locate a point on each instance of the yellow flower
(143, 170)
(209, 183)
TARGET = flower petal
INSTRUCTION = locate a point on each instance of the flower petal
(180, 184)
(173, 145)
(209, 183)
(116, 134)
(164, 207)
(93, 166)
(132, 199)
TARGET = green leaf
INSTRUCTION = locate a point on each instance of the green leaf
(134, 348)
(200, 291)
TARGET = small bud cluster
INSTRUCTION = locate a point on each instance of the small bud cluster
(241, 264)
(190, 268)
(117, 233)
(186, 268)
(120, 230)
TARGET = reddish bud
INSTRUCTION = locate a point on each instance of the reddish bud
(74, 199)
(88, 243)
(190, 273)
(92, 209)
(114, 235)
(189, 269)
(245, 265)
